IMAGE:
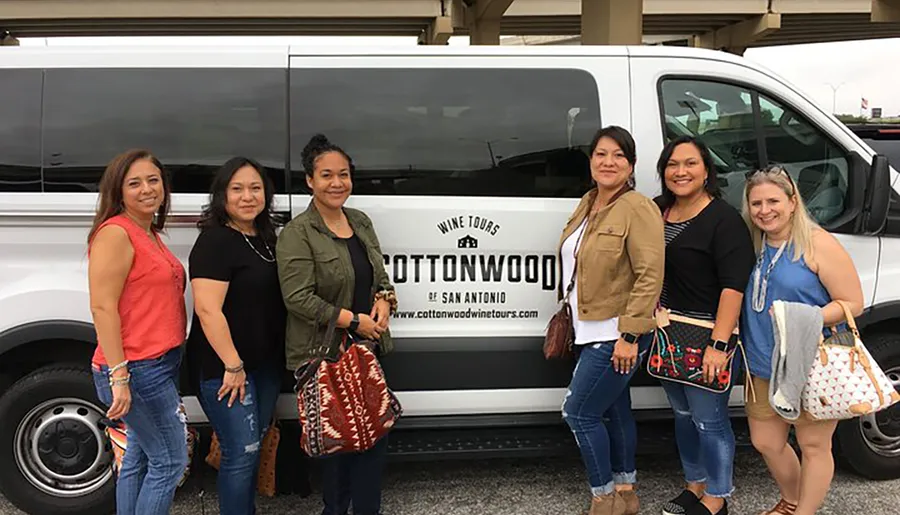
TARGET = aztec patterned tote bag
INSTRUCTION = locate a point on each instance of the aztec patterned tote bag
(343, 400)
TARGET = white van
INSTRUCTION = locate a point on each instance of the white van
(469, 161)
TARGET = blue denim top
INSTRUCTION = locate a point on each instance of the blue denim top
(790, 281)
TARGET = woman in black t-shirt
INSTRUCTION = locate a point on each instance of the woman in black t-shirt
(709, 258)
(236, 342)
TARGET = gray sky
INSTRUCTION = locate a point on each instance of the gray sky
(864, 68)
(859, 68)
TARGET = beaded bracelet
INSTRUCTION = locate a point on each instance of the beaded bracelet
(120, 366)
(117, 381)
(390, 296)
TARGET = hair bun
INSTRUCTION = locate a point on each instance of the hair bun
(315, 145)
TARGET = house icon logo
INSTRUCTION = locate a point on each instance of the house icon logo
(467, 242)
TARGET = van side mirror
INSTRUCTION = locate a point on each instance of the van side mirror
(878, 196)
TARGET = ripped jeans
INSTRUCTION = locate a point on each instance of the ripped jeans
(597, 409)
(240, 430)
(156, 454)
(704, 436)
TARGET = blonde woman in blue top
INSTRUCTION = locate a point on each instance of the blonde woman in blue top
(797, 261)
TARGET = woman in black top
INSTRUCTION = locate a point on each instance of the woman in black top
(709, 257)
(237, 335)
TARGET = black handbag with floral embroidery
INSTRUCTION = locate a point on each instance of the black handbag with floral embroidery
(677, 351)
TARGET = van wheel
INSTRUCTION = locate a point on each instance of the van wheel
(870, 445)
(55, 455)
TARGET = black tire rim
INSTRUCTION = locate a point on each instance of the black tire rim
(881, 430)
(61, 449)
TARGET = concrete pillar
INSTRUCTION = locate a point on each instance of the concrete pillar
(485, 31)
(483, 19)
(886, 11)
(612, 22)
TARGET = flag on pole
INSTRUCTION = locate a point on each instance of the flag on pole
(864, 104)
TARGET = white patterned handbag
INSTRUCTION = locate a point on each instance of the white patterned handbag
(844, 381)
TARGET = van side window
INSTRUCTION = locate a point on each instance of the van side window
(724, 117)
(193, 120)
(466, 132)
(20, 130)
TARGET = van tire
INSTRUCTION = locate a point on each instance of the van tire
(69, 446)
(870, 446)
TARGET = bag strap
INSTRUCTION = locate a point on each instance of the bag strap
(571, 286)
(851, 321)
(308, 369)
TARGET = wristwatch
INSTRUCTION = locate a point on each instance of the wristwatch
(718, 345)
(354, 323)
(629, 337)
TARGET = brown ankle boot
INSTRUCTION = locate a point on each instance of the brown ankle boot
(632, 503)
(610, 504)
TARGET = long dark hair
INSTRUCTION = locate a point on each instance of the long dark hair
(111, 202)
(215, 215)
(625, 141)
(667, 198)
(317, 146)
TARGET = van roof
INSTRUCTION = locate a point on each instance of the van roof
(277, 55)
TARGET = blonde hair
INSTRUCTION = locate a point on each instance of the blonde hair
(802, 225)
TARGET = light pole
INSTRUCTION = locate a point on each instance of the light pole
(834, 96)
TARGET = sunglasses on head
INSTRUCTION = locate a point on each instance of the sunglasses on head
(772, 170)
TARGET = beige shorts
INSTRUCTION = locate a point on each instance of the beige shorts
(760, 409)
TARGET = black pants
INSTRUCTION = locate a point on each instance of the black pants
(354, 477)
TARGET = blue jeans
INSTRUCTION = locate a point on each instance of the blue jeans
(597, 408)
(156, 455)
(240, 430)
(704, 436)
(354, 477)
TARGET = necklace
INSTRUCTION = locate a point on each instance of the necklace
(689, 208)
(270, 259)
(760, 291)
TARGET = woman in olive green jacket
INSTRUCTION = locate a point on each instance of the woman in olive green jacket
(329, 260)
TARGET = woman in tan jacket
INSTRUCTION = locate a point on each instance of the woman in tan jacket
(612, 263)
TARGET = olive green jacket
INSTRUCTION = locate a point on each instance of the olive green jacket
(317, 278)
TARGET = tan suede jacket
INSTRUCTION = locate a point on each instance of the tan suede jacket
(620, 261)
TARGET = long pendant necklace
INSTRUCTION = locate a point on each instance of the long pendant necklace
(761, 290)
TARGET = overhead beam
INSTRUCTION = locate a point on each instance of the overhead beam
(886, 11)
(612, 22)
(437, 32)
(58, 9)
(736, 38)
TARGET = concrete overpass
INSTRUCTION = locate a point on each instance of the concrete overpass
(731, 25)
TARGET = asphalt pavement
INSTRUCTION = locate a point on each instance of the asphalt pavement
(548, 487)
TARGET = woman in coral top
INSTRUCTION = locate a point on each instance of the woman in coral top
(137, 302)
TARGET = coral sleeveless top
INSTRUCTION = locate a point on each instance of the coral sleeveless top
(151, 308)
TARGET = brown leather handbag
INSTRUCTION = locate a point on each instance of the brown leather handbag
(560, 335)
(265, 478)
